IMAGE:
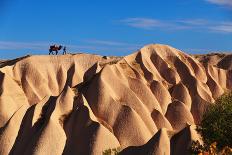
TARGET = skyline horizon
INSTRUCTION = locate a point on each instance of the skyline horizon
(44, 53)
(110, 28)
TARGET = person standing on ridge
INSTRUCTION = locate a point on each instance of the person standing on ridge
(64, 50)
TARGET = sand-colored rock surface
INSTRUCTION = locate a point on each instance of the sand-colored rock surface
(144, 103)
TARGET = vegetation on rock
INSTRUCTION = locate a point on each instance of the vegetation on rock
(215, 128)
(114, 151)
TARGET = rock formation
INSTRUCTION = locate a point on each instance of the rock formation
(145, 103)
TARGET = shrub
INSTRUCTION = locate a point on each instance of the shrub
(216, 125)
(199, 149)
(114, 151)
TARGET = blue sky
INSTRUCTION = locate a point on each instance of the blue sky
(110, 27)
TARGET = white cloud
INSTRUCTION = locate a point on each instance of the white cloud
(115, 44)
(105, 42)
(145, 23)
(184, 24)
(14, 45)
(194, 22)
(151, 24)
(225, 27)
(221, 2)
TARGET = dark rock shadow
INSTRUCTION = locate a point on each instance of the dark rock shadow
(29, 134)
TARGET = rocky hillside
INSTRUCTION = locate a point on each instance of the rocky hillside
(146, 102)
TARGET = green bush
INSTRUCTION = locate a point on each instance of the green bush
(216, 125)
(114, 151)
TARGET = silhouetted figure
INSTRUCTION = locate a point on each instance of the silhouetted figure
(64, 50)
(55, 48)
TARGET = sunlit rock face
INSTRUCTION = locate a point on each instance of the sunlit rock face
(145, 103)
